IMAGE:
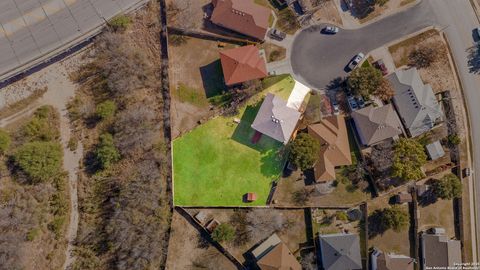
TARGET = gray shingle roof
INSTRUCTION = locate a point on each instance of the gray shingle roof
(375, 124)
(415, 101)
(275, 119)
(435, 150)
(340, 251)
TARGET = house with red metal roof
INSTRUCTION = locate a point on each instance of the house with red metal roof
(242, 16)
(242, 64)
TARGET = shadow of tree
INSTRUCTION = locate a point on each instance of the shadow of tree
(474, 59)
(212, 79)
(376, 226)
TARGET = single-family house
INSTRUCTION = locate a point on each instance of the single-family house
(415, 102)
(440, 251)
(275, 119)
(242, 64)
(242, 16)
(376, 124)
(390, 261)
(273, 254)
(331, 133)
(340, 251)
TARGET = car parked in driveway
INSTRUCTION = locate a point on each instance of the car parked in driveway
(352, 103)
(277, 34)
(355, 61)
(381, 66)
(330, 30)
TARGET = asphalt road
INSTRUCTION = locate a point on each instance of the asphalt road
(318, 59)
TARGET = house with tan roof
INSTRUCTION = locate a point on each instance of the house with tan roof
(376, 124)
(390, 261)
(242, 64)
(438, 250)
(273, 254)
(242, 16)
(331, 133)
(275, 119)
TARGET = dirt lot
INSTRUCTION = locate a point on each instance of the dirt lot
(327, 13)
(330, 221)
(187, 251)
(439, 214)
(391, 7)
(292, 229)
(341, 195)
(195, 75)
(390, 241)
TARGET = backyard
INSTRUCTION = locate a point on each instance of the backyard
(216, 164)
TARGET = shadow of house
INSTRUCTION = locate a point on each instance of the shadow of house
(212, 79)
(244, 132)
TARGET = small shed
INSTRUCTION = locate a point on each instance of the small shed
(212, 224)
(435, 150)
(401, 198)
(201, 217)
(422, 189)
(251, 196)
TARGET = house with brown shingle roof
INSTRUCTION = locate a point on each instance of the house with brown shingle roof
(273, 254)
(242, 64)
(242, 16)
(332, 134)
(376, 124)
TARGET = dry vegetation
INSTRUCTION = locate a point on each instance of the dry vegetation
(33, 214)
(123, 203)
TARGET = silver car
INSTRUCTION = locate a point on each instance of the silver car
(355, 61)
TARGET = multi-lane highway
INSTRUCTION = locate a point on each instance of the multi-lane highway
(33, 31)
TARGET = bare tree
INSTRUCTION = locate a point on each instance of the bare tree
(262, 223)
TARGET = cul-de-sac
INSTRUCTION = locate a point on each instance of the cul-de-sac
(239, 134)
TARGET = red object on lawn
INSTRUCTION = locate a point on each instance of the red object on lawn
(256, 137)
(251, 197)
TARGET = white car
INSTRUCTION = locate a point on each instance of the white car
(355, 61)
(330, 30)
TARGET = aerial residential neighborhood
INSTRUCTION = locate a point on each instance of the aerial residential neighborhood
(239, 134)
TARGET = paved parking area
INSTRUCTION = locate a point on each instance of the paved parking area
(32, 29)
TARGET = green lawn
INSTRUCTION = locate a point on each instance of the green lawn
(216, 164)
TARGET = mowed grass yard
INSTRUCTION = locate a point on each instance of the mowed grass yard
(216, 164)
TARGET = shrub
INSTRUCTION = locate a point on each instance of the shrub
(454, 139)
(177, 40)
(5, 141)
(106, 152)
(43, 126)
(223, 233)
(56, 226)
(341, 215)
(422, 57)
(40, 161)
(72, 144)
(120, 22)
(304, 151)
(32, 234)
(106, 109)
(448, 187)
(301, 197)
